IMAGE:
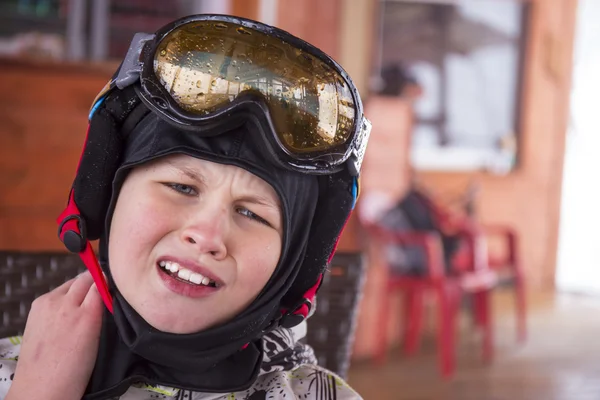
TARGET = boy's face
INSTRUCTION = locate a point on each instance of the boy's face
(180, 223)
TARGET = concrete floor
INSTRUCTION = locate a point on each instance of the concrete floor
(560, 361)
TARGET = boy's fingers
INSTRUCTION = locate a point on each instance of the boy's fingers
(92, 298)
(64, 288)
(80, 287)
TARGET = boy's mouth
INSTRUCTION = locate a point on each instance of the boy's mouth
(182, 274)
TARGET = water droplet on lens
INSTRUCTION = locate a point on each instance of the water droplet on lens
(214, 82)
(163, 52)
(198, 83)
(200, 95)
(208, 65)
(220, 25)
(243, 31)
(289, 138)
(237, 78)
(234, 63)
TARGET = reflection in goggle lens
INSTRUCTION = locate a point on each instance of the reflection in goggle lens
(205, 65)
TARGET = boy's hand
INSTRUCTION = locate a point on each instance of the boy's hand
(60, 343)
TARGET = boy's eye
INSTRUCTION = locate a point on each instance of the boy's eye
(183, 189)
(249, 214)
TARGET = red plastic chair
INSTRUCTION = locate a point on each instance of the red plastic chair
(477, 280)
(509, 269)
(507, 264)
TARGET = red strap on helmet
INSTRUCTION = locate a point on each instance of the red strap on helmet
(303, 308)
(72, 233)
(309, 299)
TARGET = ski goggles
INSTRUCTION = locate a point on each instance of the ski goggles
(207, 71)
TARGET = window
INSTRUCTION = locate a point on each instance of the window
(466, 58)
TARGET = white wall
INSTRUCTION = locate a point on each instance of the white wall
(578, 268)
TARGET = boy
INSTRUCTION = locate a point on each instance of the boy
(220, 165)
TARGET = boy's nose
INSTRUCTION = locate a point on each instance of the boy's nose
(206, 234)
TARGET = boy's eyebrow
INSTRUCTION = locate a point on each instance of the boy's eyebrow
(189, 172)
(263, 201)
(253, 198)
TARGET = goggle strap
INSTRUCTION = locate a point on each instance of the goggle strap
(134, 117)
(129, 72)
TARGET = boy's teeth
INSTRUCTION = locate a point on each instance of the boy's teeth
(197, 278)
(184, 274)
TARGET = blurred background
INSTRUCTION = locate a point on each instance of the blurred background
(467, 270)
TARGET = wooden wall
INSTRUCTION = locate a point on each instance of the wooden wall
(43, 114)
(316, 21)
(245, 8)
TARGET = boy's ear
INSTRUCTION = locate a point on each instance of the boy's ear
(101, 157)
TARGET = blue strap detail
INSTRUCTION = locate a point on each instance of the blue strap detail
(95, 107)
(354, 191)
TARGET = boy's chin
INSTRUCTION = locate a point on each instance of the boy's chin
(174, 322)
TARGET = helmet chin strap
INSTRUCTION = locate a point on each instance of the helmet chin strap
(72, 232)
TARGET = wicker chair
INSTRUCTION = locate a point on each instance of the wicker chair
(331, 328)
(25, 276)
